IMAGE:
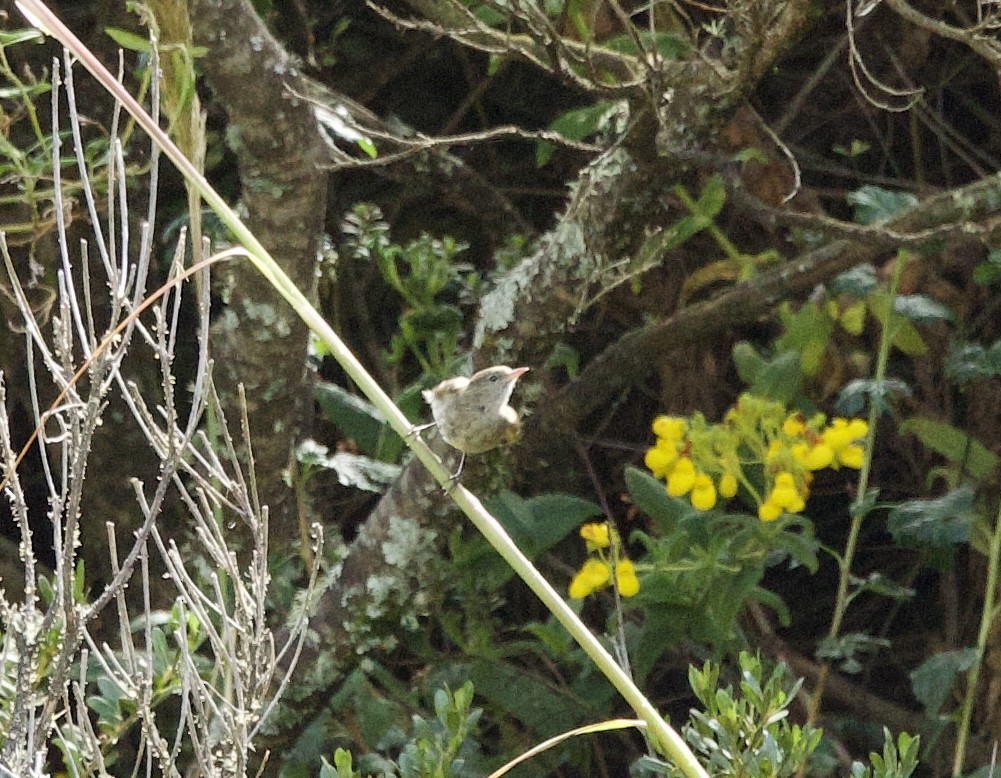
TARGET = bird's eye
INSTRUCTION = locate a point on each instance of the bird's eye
(494, 378)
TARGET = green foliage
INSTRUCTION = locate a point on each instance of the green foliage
(934, 679)
(702, 568)
(420, 273)
(863, 393)
(966, 455)
(968, 362)
(847, 649)
(535, 524)
(778, 377)
(872, 205)
(438, 747)
(898, 760)
(748, 732)
(989, 273)
(934, 523)
(579, 124)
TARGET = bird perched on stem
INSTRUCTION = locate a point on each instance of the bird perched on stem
(472, 414)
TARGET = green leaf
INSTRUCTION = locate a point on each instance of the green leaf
(881, 585)
(355, 417)
(857, 282)
(935, 522)
(862, 508)
(780, 378)
(544, 708)
(748, 361)
(920, 307)
(128, 40)
(903, 334)
(872, 205)
(955, 445)
(807, 331)
(967, 362)
(713, 197)
(801, 547)
(353, 470)
(579, 124)
(935, 678)
(13, 37)
(651, 497)
(539, 523)
(667, 44)
(860, 393)
(565, 356)
(849, 648)
(989, 273)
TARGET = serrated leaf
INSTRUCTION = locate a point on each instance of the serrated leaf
(935, 522)
(933, 681)
(955, 445)
(872, 204)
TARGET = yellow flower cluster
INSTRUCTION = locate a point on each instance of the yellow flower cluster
(604, 548)
(706, 462)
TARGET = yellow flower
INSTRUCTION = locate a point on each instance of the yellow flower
(596, 535)
(819, 456)
(841, 436)
(592, 575)
(703, 492)
(851, 456)
(658, 460)
(727, 485)
(784, 494)
(681, 478)
(769, 511)
(625, 578)
(793, 425)
(669, 428)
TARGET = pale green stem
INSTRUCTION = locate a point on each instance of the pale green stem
(669, 743)
(846, 560)
(988, 613)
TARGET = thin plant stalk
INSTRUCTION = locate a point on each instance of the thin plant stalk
(847, 559)
(988, 613)
(666, 739)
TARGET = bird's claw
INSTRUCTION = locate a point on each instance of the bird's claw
(417, 429)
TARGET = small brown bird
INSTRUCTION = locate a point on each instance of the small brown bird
(472, 414)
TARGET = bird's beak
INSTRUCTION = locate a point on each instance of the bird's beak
(517, 373)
